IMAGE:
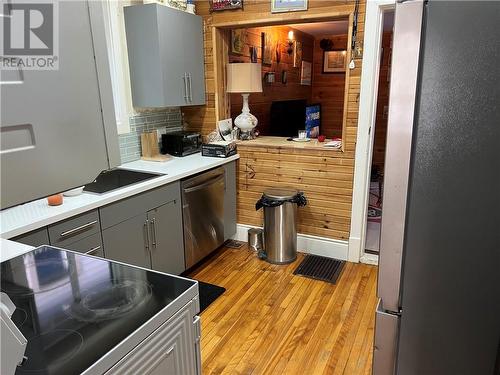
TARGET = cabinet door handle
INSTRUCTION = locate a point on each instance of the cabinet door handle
(146, 235)
(170, 350)
(78, 229)
(186, 95)
(190, 88)
(152, 224)
(93, 250)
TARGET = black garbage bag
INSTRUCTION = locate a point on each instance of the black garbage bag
(265, 201)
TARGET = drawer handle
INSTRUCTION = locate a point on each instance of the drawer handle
(93, 250)
(169, 351)
(152, 223)
(78, 229)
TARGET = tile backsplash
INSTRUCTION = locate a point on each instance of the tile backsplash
(130, 143)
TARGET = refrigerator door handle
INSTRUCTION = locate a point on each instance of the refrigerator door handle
(404, 73)
(385, 343)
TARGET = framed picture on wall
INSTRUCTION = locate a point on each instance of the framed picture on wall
(267, 48)
(238, 41)
(279, 6)
(306, 73)
(297, 54)
(334, 61)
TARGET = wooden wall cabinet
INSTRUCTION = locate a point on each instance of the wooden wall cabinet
(165, 51)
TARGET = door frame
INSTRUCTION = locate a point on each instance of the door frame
(366, 128)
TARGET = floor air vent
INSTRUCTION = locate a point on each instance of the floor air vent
(320, 268)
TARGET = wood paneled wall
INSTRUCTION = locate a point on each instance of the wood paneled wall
(325, 176)
(260, 103)
(328, 88)
(378, 157)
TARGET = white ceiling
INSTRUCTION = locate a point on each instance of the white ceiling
(322, 28)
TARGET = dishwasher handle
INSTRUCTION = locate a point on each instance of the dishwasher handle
(204, 184)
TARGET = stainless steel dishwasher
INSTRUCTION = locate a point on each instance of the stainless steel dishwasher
(203, 214)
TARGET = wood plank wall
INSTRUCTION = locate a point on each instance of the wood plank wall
(382, 104)
(328, 88)
(325, 176)
(260, 103)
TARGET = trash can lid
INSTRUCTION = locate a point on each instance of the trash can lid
(280, 194)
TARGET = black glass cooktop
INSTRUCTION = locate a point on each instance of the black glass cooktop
(117, 178)
(73, 309)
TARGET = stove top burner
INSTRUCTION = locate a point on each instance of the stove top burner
(64, 344)
(112, 302)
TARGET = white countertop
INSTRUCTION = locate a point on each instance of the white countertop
(30, 216)
(11, 249)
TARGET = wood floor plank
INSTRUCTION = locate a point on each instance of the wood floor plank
(270, 321)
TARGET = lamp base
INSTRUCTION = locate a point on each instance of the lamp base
(245, 121)
(247, 135)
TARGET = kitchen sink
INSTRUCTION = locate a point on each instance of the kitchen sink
(117, 178)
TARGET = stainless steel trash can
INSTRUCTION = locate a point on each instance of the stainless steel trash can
(280, 225)
(256, 239)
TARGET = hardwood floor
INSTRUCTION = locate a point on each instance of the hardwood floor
(270, 321)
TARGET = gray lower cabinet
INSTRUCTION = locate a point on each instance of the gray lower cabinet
(170, 350)
(128, 241)
(35, 238)
(74, 229)
(166, 223)
(91, 245)
(146, 230)
(230, 200)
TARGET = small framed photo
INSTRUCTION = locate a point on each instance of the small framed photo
(238, 41)
(334, 61)
(306, 73)
(220, 5)
(279, 6)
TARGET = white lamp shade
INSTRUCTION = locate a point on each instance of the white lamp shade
(244, 77)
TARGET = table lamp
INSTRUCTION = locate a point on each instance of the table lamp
(244, 78)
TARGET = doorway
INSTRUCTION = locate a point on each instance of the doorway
(376, 185)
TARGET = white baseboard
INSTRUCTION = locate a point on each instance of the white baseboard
(369, 259)
(306, 243)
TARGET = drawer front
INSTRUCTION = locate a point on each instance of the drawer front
(91, 245)
(129, 207)
(74, 229)
(35, 238)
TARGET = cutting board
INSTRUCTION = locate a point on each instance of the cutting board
(149, 147)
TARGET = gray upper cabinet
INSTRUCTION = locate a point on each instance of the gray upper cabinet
(53, 134)
(165, 50)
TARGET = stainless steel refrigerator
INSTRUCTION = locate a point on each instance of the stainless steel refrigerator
(439, 269)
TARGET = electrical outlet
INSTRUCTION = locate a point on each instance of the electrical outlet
(161, 131)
